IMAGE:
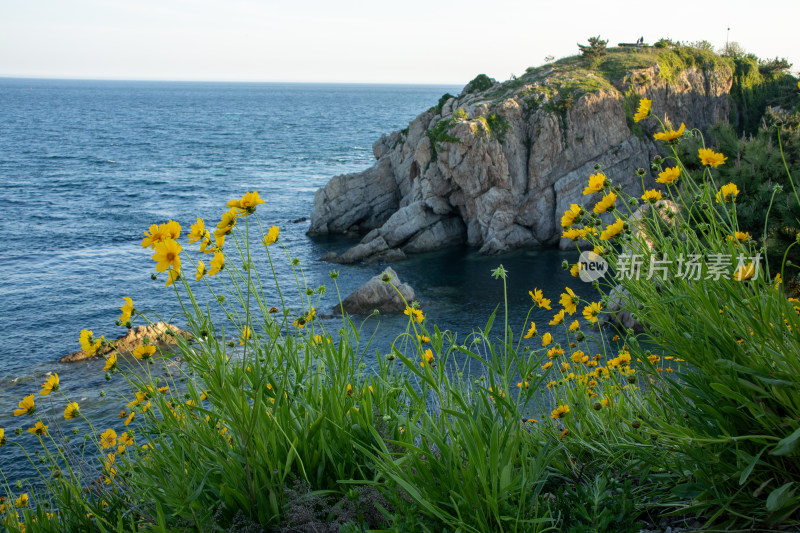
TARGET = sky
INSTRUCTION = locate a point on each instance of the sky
(412, 41)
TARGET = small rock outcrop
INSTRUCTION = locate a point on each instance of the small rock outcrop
(496, 168)
(156, 334)
(378, 294)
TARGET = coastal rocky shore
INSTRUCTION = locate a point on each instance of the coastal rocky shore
(496, 166)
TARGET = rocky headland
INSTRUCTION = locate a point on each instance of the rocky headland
(496, 166)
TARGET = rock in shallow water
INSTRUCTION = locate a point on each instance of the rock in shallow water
(378, 294)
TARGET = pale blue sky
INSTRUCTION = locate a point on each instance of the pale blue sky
(413, 41)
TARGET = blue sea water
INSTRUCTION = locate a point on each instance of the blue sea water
(87, 166)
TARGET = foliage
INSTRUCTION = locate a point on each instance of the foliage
(479, 83)
(443, 100)
(595, 48)
(439, 134)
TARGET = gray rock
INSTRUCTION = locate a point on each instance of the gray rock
(378, 294)
(509, 181)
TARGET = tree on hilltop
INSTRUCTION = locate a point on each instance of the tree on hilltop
(595, 48)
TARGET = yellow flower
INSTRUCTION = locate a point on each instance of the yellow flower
(571, 233)
(108, 438)
(568, 300)
(245, 335)
(71, 411)
(599, 250)
(26, 406)
(669, 176)
(167, 255)
(612, 230)
(570, 215)
(710, 158)
(415, 313)
(539, 299)
(2, 442)
(575, 270)
(670, 135)
(739, 236)
(644, 110)
(547, 365)
(579, 357)
(559, 411)
(727, 193)
(271, 236)
(89, 344)
(558, 318)
(591, 311)
(201, 270)
(198, 231)
(170, 230)
(651, 196)
(38, 428)
(150, 239)
(575, 326)
(130, 418)
(596, 182)
(127, 310)
(205, 243)
(744, 272)
(555, 351)
(248, 202)
(532, 331)
(50, 385)
(217, 264)
(111, 362)
(228, 221)
(547, 339)
(427, 358)
(172, 277)
(423, 339)
(143, 352)
(22, 501)
(606, 202)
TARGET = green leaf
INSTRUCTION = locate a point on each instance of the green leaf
(787, 445)
(747, 471)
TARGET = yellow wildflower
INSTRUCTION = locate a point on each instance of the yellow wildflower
(596, 183)
(50, 385)
(22, 501)
(217, 264)
(669, 175)
(547, 339)
(606, 202)
(744, 272)
(554, 352)
(644, 110)
(427, 358)
(127, 310)
(710, 158)
(108, 438)
(559, 411)
(172, 277)
(539, 299)
(739, 236)
(167, 255)
(111, 362)
(591, 311)
(415, 313)
(651, 196)
(227, 222)
(144, 352)
(670, 135)
(570, 215)
(612, 230)
(247, 203)
(201, 270)
(26, 406)
(89, 344)
(547, 365)
(568, 301)
(198, 231)
(532, 331)
(727, 193)
(71, 411)
(558, 318)
(38, 429)
(245, 335)
(2, 443)
(271, 236)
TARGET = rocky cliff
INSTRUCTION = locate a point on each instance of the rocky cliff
(495, 168)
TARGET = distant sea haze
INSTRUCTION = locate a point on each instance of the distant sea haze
(87, 166)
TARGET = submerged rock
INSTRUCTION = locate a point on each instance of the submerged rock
(156, 334)
(380, 294)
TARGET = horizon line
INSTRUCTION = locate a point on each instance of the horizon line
(197, 80)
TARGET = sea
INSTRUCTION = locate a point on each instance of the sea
(87, 166)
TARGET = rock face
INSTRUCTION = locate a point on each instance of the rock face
(156, 335)
(378, 294)
(495, 169)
